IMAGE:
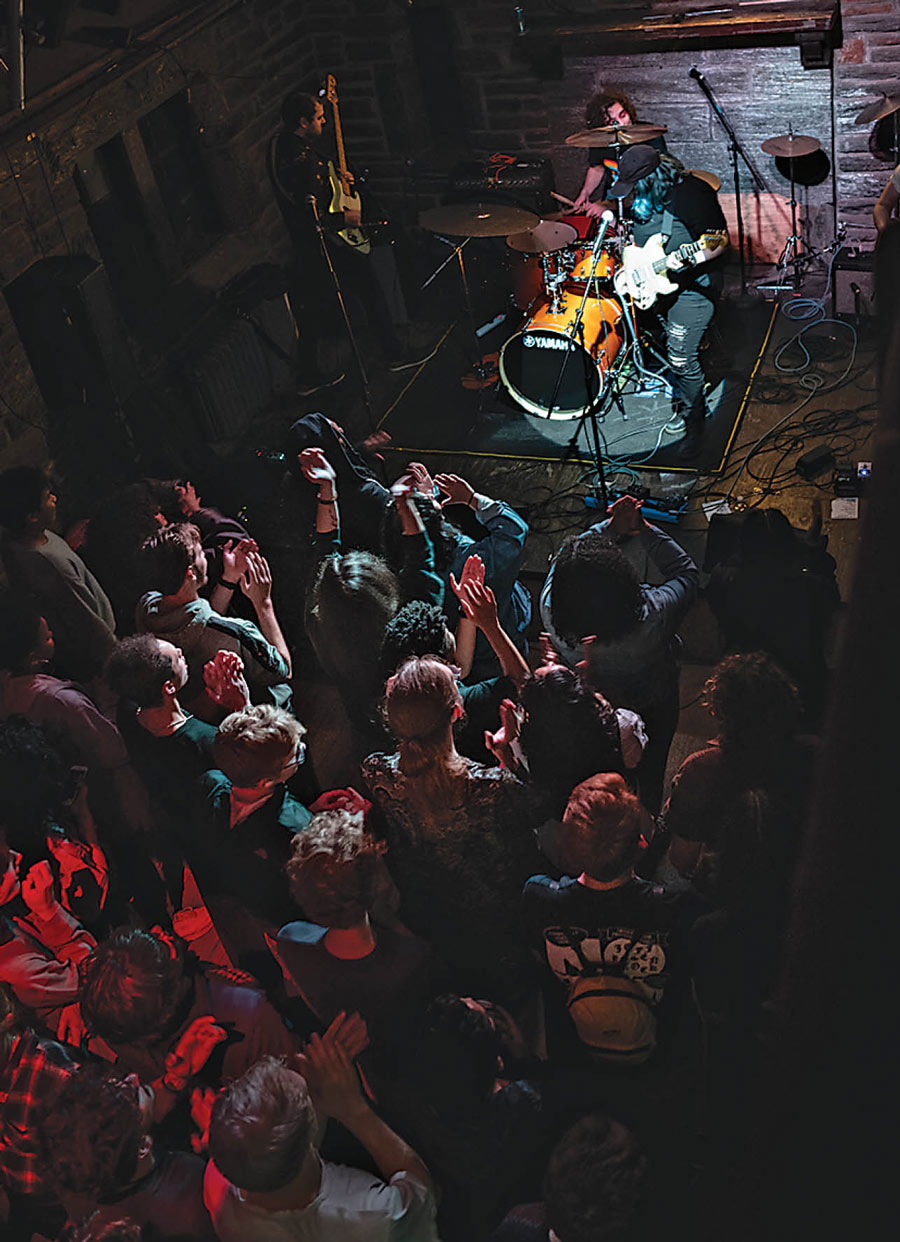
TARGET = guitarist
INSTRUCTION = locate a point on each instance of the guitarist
(667, 200)
(299, 171)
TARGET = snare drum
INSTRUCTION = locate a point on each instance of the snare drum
(530, 361)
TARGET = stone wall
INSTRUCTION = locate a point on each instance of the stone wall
(240, 65)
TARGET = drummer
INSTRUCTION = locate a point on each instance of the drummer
(609, 107)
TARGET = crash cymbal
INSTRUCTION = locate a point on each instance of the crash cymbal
(478, 220)
(791, 145)
(609, 135)
(710, 178)
(544, 238)
(880, 108)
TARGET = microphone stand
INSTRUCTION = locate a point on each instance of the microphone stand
(735, 149)
(605, 221)
(338, 292)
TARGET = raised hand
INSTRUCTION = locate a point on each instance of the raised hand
(331, 1078)
(38, 891)
(234, 558)
(225, 683)
(478, 603)
(256, 583)
(192, 1051)
(549, 655)
(421, 476)
(317, 468)
(472, 571)
(625, 516)
(350, 1032)
(500, 744)
(456, 489)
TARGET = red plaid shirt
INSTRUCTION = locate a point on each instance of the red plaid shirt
(30, 1083)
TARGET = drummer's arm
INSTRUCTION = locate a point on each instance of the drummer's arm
(592, 179)
(886, 206)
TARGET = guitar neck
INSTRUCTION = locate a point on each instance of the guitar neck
(683, 252)
(339, 141)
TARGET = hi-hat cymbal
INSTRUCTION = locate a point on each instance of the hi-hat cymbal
(544, 238)
(875, 111)
(609, 135)
(478, 220)
(791, 145)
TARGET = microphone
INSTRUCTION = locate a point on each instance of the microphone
(695, 73)
(605, 221)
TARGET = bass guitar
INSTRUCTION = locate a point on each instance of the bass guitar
(642, 276)
(343, 197)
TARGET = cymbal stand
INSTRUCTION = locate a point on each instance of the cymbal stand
(790, 255)
(480, 369)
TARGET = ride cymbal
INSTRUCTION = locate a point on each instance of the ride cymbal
(544, 238)
(878, 110)
(789, 146)
(478, 220)
(610, 135)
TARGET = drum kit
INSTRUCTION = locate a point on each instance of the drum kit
(561, 362)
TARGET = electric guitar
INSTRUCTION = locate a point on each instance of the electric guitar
(643, 273)
(342, 196)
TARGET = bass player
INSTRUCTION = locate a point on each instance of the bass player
(669, 201)
(299, 173)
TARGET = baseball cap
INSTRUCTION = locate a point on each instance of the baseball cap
(635, 163)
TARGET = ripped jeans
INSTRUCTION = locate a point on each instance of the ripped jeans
(687, 320)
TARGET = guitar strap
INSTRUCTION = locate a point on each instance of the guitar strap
(667, 222)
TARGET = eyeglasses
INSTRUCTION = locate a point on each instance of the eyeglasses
(296, 758)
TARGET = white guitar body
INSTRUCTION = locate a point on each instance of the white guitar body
(342, 200)
(637, 278)
(644, 273)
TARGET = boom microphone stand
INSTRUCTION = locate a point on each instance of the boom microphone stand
(735, 149)
(338, 292)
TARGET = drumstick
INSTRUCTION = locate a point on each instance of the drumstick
(561, 198)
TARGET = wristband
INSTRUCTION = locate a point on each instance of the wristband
(232, 586)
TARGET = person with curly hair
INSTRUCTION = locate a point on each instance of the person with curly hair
(610, 106)
(98, 1149)
(593, 1188)
(144, 993)
(346, 954)
(593, 596)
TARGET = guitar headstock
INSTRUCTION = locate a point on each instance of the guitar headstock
(331, 88)
(714, 241)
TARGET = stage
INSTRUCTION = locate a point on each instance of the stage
(438, 411)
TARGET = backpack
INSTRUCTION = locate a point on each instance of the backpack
(611, 1013)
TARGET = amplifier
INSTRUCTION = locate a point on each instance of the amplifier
(517, 180)
(853, 288)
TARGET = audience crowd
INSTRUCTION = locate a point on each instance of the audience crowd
(496, 985)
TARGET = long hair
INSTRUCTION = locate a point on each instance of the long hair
(756, 708)
(657, 188)
(354, 597)
(569, 734)
(419, 707)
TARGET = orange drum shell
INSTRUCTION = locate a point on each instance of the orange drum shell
(604, 336)
(601, 322)
(605, 269)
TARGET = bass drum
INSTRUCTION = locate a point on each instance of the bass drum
(530, 361)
